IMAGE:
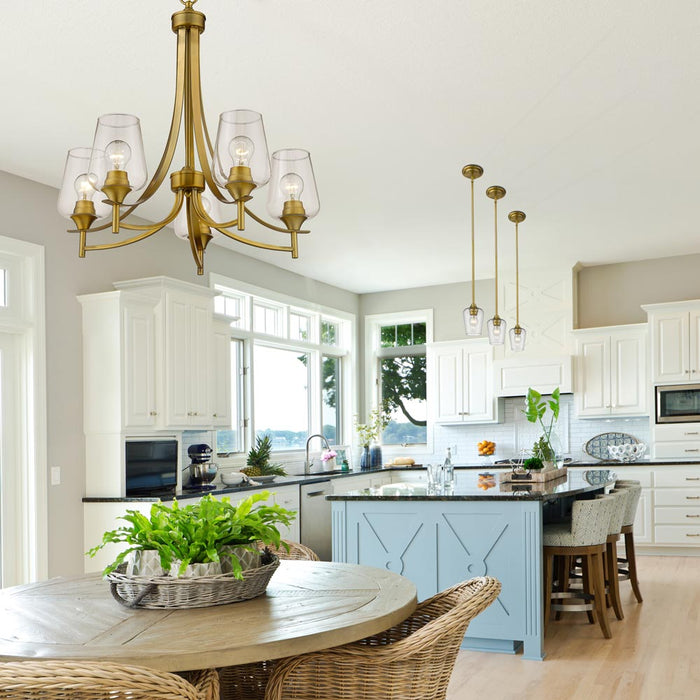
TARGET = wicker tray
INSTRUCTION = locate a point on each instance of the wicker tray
(200, 592)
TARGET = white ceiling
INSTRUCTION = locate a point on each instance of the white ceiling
(586, 112)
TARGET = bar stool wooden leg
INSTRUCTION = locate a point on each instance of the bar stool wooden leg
(611, 577)
(563, 578)
(632, 565)
(587, 586)
(596, 563)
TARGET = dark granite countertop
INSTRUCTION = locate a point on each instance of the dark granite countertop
(469, 488)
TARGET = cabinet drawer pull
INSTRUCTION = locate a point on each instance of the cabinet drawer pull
(692, 478)
(692, 516)
(153, 413)
(695, 534)
(692, 432)
(693, 498)
(316, 493)
(695, 449)
(463, 413)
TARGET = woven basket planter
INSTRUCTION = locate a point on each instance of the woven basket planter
(195, 592)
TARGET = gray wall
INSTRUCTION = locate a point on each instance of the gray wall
(29, 213)
(609, 295)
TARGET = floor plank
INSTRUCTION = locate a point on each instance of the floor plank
(652, 655)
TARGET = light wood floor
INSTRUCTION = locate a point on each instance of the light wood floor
(654, 653)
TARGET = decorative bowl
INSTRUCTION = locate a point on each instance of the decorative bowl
(628, 452)
(232, 478)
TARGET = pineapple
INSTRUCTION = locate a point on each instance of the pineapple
(258, 461)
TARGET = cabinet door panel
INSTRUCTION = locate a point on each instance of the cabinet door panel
(594, 376)
(177, 353)
(478, 385)
(671, 347)
(448, 382)
(199, 367)
(628, 394)
(139, 367)
(221, 379)
(694, 363)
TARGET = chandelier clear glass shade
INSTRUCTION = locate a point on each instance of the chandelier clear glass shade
(84, 169)
(292, 179)
(240, 140)
(496, 328)
(473, 320)
(118, 136)
(211, 206)
(518, 336)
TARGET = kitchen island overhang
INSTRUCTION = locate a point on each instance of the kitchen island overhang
(439, 539)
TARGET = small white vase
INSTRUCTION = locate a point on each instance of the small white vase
(329, 465)
(143, 562)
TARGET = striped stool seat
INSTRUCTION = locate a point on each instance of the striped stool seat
(585, 537)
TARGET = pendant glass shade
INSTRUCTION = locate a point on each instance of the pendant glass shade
(518, 336)
(84, 169)
(118, 136)
(496, 328)
(292, 179)
(473, 320)
(212, 207)
(240, 140)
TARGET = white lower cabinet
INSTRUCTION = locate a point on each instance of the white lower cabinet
(288, 497)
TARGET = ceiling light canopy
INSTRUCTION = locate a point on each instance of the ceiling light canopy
(213, 176)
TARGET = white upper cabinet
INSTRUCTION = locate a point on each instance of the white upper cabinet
(675, 342)
(221, 375)
(611, 371)
(148, 353)
(461, 382)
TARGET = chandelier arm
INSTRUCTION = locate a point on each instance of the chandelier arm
(254, 244)
(197, 117)
(202, 214)
(192, 224)
(147, 231)
(270, 226)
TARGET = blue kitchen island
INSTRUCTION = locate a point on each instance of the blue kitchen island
(478, 528)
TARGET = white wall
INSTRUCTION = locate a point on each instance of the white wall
(29, 213)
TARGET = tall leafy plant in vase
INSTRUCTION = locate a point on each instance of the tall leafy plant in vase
(369, 434)
(545, 448)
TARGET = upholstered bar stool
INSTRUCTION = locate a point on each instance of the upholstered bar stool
(620, 498)
(629, 560)
(585, 537)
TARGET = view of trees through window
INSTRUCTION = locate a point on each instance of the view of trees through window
(402, 381)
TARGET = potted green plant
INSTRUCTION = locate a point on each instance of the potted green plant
(211, 532)
(544, 450)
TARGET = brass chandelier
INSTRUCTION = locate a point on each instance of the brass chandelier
(473, 315)
(237, 162)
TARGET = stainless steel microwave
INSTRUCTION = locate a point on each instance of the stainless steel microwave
(678, 403)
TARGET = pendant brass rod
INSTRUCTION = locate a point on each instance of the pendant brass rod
(270, 226)
(195, 88)
(170, 145)
(517, 280)
(495, 244)
(149, 232)
(473, 264)
(255, 244)
(189, 132)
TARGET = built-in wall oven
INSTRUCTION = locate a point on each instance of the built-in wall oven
(151, 466)
(678, 403)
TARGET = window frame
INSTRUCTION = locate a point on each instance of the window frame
(373, 353)
(345, 350)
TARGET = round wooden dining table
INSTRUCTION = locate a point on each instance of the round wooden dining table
(308, 606)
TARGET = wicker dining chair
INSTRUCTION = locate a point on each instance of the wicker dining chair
(97, 680)
(248, 681)
(410, 661)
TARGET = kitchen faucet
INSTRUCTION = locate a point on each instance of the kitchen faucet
(307, 464)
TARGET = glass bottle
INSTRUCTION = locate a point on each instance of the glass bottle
(448, 471)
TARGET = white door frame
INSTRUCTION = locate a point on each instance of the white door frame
(24, 507)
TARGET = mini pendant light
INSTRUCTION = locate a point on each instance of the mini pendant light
(473, 315)
(496, 326)
(517, 333)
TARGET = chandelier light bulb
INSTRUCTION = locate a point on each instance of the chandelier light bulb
(241, 149)
(85, 185)
(118, 153)
(473, 320)
(517, 338)
(497, 331)
(292, 186)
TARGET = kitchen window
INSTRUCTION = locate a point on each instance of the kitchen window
(398, 373)
(295, 361)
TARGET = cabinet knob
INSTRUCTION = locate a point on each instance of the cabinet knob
(189, 413)
(153, 413)
(463, 413)
(215, 415)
